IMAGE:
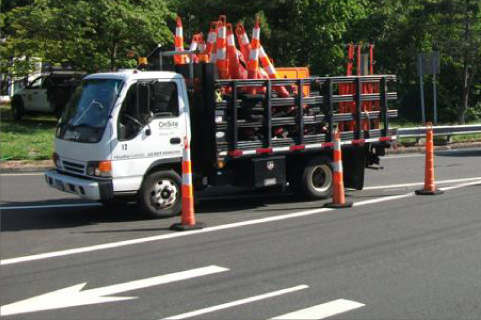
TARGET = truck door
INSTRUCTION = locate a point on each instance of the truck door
(37, 96)
(149, 129)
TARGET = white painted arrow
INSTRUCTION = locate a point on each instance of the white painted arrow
(73, 296)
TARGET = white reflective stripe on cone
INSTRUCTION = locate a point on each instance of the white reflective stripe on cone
(337, 166)
(256, 34)
(179, 32)
(187, 179)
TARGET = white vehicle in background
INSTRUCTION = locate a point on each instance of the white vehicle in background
(47, 93)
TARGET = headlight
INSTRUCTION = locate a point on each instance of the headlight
(100, 169)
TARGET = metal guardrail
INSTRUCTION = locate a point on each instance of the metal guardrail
(420, 132)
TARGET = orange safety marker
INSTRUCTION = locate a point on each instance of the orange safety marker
(236, 70)
(271, 71)
(179, 43)
(211, 41)
(253, 61)
(221, 56)
(429, 184)
(338, 197)
(194, 45)
(188, 217)
(243, 40)
(203, 55)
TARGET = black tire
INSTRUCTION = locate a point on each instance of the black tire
(316, 180)
(160, 194)
(17, 108)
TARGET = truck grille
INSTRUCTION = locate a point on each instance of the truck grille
(73, 167)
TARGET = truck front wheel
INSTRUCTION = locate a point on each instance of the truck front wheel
(160, 194)
(317, 179)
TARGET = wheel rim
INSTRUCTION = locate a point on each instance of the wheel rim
(321, 178)
(164, 194)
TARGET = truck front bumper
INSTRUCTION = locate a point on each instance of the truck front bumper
(88, 189)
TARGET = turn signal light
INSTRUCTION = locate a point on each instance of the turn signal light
(100, 169)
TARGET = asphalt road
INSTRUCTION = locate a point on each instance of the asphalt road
(393, 255)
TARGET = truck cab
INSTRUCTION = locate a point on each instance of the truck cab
(121, 133)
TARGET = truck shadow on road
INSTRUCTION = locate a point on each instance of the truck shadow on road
(61, 215)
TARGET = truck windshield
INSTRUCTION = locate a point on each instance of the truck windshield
(86, 115)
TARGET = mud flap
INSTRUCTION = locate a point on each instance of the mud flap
(354, 162)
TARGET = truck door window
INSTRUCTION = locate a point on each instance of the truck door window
(164, 100)
(37, 83)
(135, 111)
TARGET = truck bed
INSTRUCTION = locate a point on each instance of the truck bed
(311, 120)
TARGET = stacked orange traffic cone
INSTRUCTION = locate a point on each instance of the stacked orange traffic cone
(429, 184)
(188, 217)
(253, 61)
(243, 39)
(179, 43)
(236, 70)
(203, 55)
(338, 196)
(194, 45)
(221, 56)
(271, 71)
(211, 41)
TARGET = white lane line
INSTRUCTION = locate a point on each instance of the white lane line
(206, 230)
(323, 311)
(475, 183)
(75, 295)
(67, 205)
(238, 302)
(403, 156)
(21, 174)
(414, 184)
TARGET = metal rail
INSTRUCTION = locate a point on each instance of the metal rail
(419, 132)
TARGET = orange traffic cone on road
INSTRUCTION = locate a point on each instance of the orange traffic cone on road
(429, 184)
(338, 196)
(188, 217)
(179, 43)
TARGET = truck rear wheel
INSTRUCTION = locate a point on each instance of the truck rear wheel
(160, 194)
(316, 181)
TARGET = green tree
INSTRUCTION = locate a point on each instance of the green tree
(91, 34)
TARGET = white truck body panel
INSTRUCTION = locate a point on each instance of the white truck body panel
(161, 140)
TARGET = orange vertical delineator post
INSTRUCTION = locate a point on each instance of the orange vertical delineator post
(429, 184)
(179, 43)
(338, 196)
(188, 217)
